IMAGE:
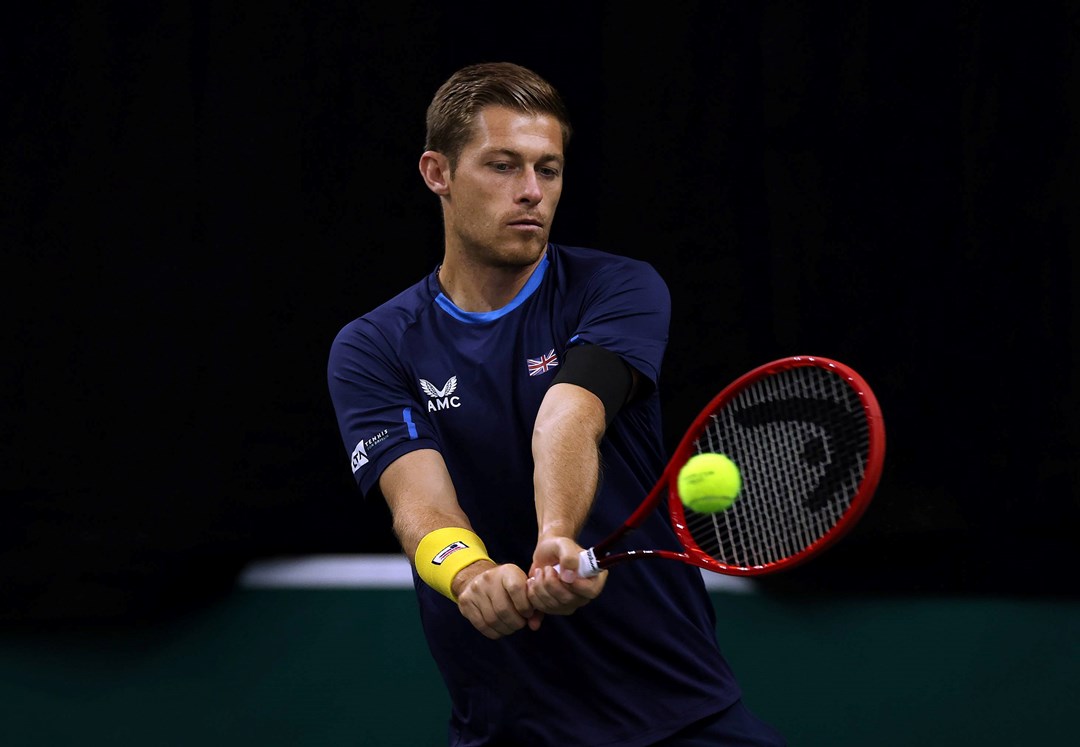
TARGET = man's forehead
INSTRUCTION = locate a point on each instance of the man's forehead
(499, 128)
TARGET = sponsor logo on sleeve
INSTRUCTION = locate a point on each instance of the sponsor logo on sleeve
(360, 455)
(441, 399)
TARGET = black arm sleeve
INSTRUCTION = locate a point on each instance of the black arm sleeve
(600, 371)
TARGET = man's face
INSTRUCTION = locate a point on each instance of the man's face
(504, 191)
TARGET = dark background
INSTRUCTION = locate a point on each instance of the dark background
(196, 197)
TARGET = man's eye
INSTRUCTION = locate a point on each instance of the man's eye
(501, 166)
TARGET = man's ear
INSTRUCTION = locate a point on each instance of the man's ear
(435, 168)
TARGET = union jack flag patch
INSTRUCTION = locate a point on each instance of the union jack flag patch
(541, 365)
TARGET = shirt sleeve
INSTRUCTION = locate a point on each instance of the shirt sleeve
(627, 310)
(378, 414)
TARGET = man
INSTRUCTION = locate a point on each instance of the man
(506, 407)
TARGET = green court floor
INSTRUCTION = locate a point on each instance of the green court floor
(336, 667)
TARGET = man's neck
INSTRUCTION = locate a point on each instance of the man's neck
(479, 288)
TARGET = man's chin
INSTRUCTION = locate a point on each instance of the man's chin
(524, 255)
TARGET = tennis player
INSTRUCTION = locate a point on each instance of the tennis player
(506, 407)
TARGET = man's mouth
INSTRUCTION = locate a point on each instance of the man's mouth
(527, 223)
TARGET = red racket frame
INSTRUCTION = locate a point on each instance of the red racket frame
(666, 485)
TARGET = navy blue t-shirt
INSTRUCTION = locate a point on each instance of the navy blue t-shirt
(634, 665)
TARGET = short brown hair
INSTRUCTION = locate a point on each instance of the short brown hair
(452, 111)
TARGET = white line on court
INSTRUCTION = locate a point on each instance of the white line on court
(382, 572)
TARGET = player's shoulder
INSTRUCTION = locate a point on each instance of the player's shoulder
(391, 318)
(592, 262)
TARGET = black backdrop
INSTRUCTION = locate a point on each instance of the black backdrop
(197, 196)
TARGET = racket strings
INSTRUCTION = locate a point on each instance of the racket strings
(800, 438)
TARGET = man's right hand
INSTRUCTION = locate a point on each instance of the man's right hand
(564, 592)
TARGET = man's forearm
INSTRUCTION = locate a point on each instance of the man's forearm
(565, 445)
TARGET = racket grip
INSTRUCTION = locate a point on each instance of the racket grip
(587, 565)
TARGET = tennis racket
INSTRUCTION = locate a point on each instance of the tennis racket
(808, 437)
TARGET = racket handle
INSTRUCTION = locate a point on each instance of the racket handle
(587, 565)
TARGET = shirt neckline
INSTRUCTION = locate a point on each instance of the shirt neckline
(481, 317)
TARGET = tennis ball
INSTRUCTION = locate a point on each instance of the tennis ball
(709, 483)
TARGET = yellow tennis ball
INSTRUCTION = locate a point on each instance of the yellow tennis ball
(709, 483)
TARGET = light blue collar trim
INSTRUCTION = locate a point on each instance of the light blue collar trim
(479, 317)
